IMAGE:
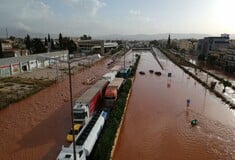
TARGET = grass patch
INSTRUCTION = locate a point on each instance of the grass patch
(12, 96)
(103, 147)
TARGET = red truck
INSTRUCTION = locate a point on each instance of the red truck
(111, 93)
(86, 104)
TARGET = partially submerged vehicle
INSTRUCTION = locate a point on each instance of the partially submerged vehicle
(151, 71)
(142, 72)
(194, 122)
(158, 73)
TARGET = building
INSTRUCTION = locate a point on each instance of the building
(213, 44)
(85, 46)
(16, 65)
(229, 60)
(184, 44)
(107, 47)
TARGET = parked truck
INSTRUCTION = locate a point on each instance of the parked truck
(110, 76)
(86, 139)
(86, 104)
(111, 93)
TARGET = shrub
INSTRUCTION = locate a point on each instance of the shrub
(103, 147)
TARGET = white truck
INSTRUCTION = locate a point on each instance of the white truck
(86, 139)
(86, 104)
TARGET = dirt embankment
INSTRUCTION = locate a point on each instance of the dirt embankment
(35, 128)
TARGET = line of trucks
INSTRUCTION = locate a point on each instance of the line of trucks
(88, 113)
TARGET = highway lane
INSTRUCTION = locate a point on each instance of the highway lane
(157, 121)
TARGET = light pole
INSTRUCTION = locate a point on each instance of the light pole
(42, 58)
(71, 105)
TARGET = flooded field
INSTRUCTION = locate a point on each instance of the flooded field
(157, 121)
(36, 127)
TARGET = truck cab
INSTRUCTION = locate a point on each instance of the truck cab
(67, 154)
(110, 96)
(81, 113)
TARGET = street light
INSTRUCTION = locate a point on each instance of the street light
(42, 58)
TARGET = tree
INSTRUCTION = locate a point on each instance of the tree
(226, 83)
(49, 38)
(52, 44)
(1, 53)
(37, 46)
(12, 38)
(85, 37)
(61, 41)
(72, 46)
(46, 43)
(169, 41)
(28, 42)
(154, 43)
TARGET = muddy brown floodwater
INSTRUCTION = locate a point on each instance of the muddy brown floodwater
(36, 127)
(157, 122)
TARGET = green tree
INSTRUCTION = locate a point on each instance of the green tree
(85, 37)
(28, 42)
(49, 38)
(52, 44)
(226, 84)
(46, 43)
(154, 43)
(169, 41)
(71, 46)
(1, 53)
(37, 46)
(60, 41)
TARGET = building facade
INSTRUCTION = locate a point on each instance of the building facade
(16, 65)
(213, 44)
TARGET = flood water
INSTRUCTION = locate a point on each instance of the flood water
(36, 127)
(157, 121)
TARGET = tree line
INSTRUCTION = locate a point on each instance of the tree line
(36, 45)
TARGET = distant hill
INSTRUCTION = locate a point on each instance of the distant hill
(22, 33)
(151, 36)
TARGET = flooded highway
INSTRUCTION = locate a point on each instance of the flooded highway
(157, 121)
(36, 127)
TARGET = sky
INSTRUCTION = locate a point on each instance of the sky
(126, 17)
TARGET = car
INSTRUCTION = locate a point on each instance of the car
(77, 128)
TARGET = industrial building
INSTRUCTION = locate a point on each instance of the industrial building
(16, 65)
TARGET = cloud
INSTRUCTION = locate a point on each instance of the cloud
(86, 6)
(35, 9)
(29, 15)
(137, 15)
(134, 12)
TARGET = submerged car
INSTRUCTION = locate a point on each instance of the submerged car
(158, 73)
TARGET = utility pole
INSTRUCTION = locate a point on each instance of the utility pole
(70, 95)
(71, 105)
(125, 56)
(7, 33)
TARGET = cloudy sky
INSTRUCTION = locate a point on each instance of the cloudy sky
(104, 17)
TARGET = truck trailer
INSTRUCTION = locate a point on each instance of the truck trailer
(111, 93)
(89, 101)
(110, 76)
(86, 139)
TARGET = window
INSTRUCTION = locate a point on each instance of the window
(80, 115)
